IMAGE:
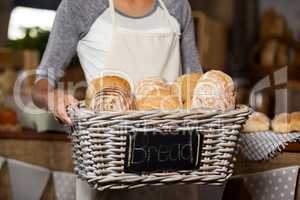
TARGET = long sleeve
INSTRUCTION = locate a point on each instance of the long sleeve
(62, 43)
(189, 52)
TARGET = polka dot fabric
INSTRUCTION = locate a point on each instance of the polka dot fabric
(277, 184)
(65, 185)
(2, 160)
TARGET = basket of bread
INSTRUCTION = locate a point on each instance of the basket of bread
(157, 133)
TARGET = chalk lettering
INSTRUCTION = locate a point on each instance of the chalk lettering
(153, 151)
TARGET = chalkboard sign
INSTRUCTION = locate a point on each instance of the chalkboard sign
(154, 152)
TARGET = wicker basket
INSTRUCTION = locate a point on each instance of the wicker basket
(100, 141)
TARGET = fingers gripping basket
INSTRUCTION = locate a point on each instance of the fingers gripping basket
(103, 144)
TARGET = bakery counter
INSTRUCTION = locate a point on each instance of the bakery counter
(33, 135)
(50, 150)
(64, 137)
(53, 150)
(290, 157)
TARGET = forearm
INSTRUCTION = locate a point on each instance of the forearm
(40, 93)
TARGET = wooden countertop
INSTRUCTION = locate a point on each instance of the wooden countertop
(60, 136)
(33, 135)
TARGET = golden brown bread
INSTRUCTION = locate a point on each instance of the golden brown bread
(266, 22)
(282, 57)
(257, 122)
(158, 103)
(109, 93)
(151, 84)
(184, 87)
(112, 99)
(98, 84)
(155, 94)
(295, 121)
(282, 123)
(268, 54)
(214, 90)
(272, 24)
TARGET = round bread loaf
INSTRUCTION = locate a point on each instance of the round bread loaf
(112, 99)
(98, 84)
(155, 94)
(257, 122)
(109, 93)
(153, 84)
(295, 121)
(184, 87)
(282, 123)
(158, 103)
(214, 90)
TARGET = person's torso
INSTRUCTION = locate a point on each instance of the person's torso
(94, 46)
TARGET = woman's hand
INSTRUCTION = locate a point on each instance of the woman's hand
(58, 101)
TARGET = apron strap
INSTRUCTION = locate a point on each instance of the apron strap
(113, 14)
(168, 15)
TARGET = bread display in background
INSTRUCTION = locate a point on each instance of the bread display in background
(257, 122)
(184, 87)
(8, 120)
(272, 24)
(282, 123)
(295, 121)
(7, 81)
(214, 90)
(282, 57)
(155, 94)
(268, 54)
(109, 93)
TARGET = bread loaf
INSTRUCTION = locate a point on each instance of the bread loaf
(184, 87)
(282, 123)
(257, 122)
(155, 94)
(295, 121)
(282, 57)
(268, 54)
(214, 90)
(109, 93)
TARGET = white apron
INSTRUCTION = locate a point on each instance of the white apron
(136, 54)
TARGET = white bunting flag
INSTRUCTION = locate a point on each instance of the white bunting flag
(28, 182)
(65, 185)
(2, 160)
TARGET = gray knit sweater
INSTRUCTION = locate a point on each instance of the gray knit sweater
(74, 19)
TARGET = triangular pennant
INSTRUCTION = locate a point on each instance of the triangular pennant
(27, 181)
(2, 160)
(65, 185)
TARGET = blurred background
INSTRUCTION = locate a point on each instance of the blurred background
(257, 42)
(250, 40)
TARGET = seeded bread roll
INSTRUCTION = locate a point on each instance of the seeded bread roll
(257, 122)
(184, 87)
(155, 94)
(295, 121)
(109, 93)
(214, 90)
(282, 123)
